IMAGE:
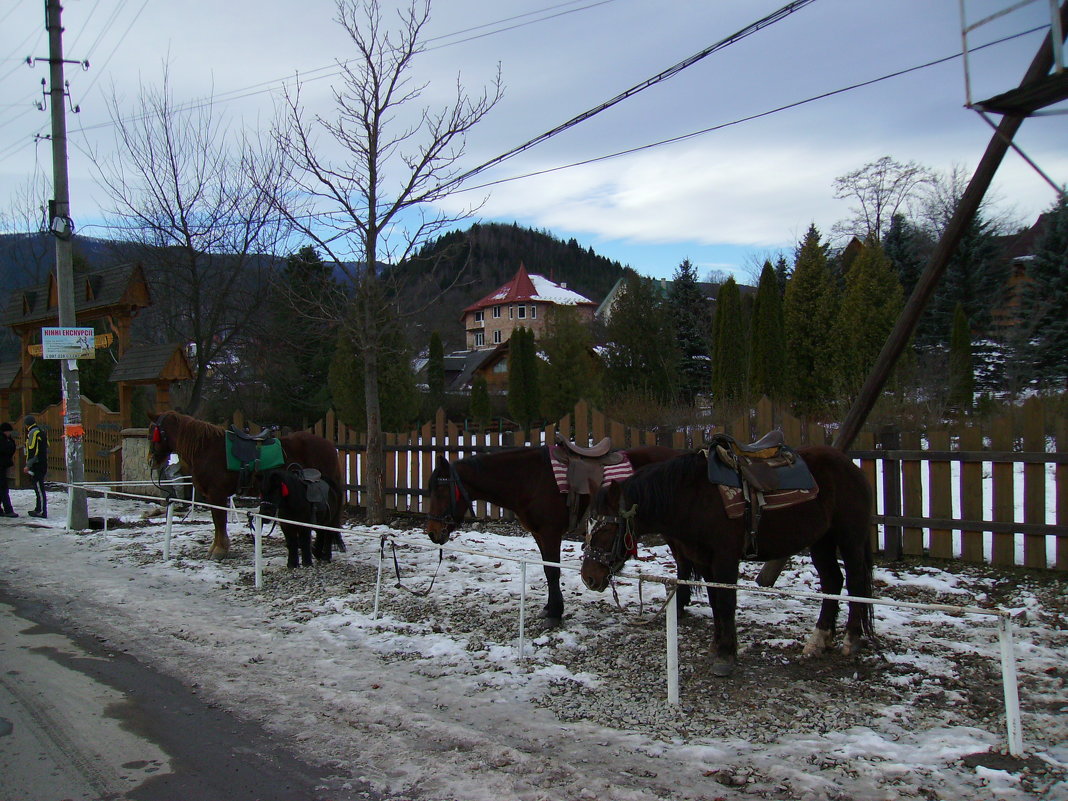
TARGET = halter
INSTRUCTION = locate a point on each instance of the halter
(623, 546)
(459, 499)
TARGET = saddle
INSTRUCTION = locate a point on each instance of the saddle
(316, 489)
(766, 474)
(247, 453)
(584, 468)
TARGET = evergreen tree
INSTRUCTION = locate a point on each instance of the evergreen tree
(869, 308)
(729, 348)
(1045, 300)
(481, 412)
(782, 274)
(524, 400)
(435, 373)
(808, 316)
(397, 380)
(641, 355)
(572, 371)
(690, 312)
(907, 247)
(961, 377)
(766, 338)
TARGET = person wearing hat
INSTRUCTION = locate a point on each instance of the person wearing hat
(7, 468)
(36, 463)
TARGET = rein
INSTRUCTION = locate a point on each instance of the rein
(459, 499)
(623, 546)
(396, 566)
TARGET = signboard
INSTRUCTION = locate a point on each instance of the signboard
(100, 341)
(68, 343)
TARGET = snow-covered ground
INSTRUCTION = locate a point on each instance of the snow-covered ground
(431, 699)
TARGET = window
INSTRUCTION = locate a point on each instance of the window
(501, 366)
(497, 312)
(522, 312)
(511, 312)
(480, 315)
(480, 339)
(533, 312)
(497, 337)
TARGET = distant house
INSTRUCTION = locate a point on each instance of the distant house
(1019, 250)
(662, 287)
(527, 300)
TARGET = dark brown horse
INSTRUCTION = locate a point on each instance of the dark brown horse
(202, 447)
(676, 499)
(519, 479)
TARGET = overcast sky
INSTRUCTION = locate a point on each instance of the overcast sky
(724, 199)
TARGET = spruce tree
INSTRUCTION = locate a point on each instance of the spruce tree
(907, 247)
(524, 399)
(435, 373)
(808, 315)
(869, 308)
(767, 341)
(481, 412)
(572, 371)
(692, 318)
(729, 349)
(1045, 301)
(641, 355)
(961, 376)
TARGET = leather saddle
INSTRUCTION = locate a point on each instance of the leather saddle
(585, 474)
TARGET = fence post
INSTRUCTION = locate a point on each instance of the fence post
(890, 440)
(1010, 686)
(672, 618)
(167, 531)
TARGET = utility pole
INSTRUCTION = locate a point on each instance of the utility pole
(63, 229)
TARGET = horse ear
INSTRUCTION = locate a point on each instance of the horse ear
(442, 463)
(152, 415)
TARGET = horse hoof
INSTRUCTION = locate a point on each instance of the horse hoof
(552, 621)
(723, 668)
(852, 645)
(818, 642)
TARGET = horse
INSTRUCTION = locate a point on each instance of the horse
(288, 494)
(519, 479)
(202, 447)
(676, 499)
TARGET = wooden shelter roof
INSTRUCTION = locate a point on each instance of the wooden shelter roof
(150, 364)
(96, 294)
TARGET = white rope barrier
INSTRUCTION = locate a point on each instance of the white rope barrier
(1010, 685)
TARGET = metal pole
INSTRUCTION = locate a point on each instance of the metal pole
(672, 614)
(167, 532)
(1010, 686)
(522, 609)
(63, 228)
(259, 551)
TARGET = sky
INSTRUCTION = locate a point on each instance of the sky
(726, 199)
(431, 700)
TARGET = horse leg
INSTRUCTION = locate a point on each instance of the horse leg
(858, 568)
(292, 558)
(825, 560)
(220, 546)
(724, 607)
(553, 612)
(304, 536)
(684, 571)
(324, 542)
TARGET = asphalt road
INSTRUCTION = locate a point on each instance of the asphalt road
(80, 722)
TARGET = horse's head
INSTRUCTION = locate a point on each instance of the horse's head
(448, 502)
(610, 540)
(273, 492)
(161, 434)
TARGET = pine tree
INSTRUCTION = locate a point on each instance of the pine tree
(524, 399)
(435, 372)
(808, 316)
(907, 247)
(641, 355)
(692, 318)
(961, 376)
(766, 338)
(782, 274)
(572, 371)
(481, 412)
(868, 311)
(729, 348)
(1046, 300)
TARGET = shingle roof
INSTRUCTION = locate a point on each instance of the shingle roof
(524, 287)
(9, 371)
(146, 364)
(123, 285)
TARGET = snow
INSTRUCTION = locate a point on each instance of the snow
(426, 710)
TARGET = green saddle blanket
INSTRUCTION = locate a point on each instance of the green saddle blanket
(252, 455)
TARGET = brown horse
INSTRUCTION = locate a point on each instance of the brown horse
(519, 479)
(202, 447)
(676, 499)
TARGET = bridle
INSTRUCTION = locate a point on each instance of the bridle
(459, 499)
(624, 545)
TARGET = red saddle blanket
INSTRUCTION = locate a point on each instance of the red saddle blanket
(612, 472)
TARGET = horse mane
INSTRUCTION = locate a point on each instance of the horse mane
(653, 487)
(194, 435)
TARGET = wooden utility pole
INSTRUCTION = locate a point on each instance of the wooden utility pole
(63, 229)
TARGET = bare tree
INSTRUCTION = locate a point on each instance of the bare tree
(32, 247)
(881, 189)
(183, 193)
(372, 203)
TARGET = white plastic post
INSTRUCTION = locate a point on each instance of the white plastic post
(522, 609)
(1011, 687)
(259, 551)
(167, 532)
(673, 647)
(378, 581)
(107, 509)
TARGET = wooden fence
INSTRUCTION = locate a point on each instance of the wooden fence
(995, 492)
(103, 429)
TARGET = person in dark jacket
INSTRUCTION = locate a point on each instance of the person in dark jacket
(7, 468)
(36, 463)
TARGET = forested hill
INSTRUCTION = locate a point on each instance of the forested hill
(477, 261)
